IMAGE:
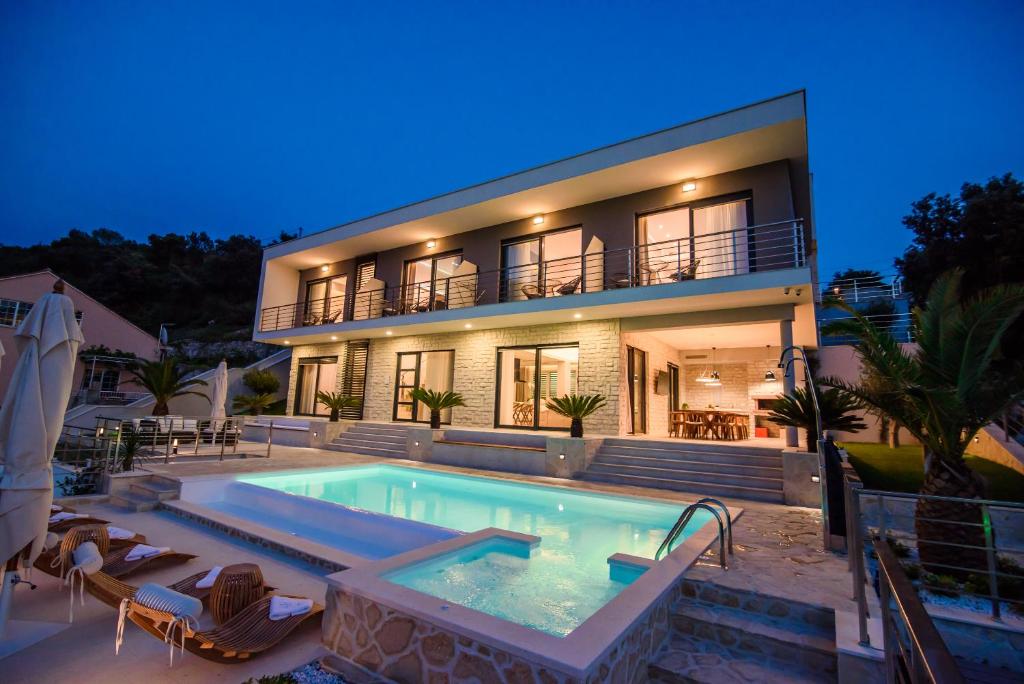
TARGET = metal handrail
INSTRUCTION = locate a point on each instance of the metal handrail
(764, 247)
(926, 658)
(680, 526)
(725, 510)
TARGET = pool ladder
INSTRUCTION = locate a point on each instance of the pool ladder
(706, 504)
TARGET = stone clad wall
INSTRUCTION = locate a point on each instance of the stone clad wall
(408, 650)
(476, 364)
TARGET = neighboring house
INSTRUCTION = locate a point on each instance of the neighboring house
(98, 377)
(662, 271)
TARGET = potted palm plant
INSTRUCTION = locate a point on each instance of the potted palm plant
(255, 404)
(436, 402)
(576, 407)
(165, 381)
(335, 402)
(797, 410)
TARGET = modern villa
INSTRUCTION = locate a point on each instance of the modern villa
(664, 272)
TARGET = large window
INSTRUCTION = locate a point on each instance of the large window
(703, 240)
(325, 300)
(528, 377)
(13, 312)
(427, 282)
(431, 370)
(316, 374)
(542, 266)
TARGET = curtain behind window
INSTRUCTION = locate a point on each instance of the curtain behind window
(719, 244)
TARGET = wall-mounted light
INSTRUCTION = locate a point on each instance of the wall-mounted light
(815, 479)
(689, 186)
(561, 457)
(175, 445)
(431, 244)
(538, 219)
(325, 268)
(315, 434)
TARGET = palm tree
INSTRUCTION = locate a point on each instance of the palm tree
(164, 381)
(436, 402)
(253, 403)
(337, 402)
(797, 410)
(576, 407)
(943, 394)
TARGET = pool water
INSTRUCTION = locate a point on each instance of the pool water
(555, 588)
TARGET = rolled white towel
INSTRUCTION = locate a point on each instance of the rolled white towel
(282, 607)
(210, 578)
(63, 515)
(116, 532)
(140, 551)
(54, 508)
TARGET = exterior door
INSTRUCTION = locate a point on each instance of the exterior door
(315, 374)
(431, 370)
(636, 372)
(673, 389)
(527, 378)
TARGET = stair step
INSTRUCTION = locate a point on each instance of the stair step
(368, 437)
(367, 451)
(683, 465)
(134, 501)
(704, 474)
(730, 457)
(814, 617)
(154, 490)
(686, 659)
(712, 446)
(738, 492)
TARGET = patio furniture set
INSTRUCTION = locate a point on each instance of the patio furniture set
(709, 424)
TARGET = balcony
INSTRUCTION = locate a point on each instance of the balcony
(766, 247)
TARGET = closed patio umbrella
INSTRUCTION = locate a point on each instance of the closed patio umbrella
(219, 391)
(31, 418)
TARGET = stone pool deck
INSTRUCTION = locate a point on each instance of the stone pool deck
(777, 552)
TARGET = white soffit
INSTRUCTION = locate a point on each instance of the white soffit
(757, 134)
(722, 336)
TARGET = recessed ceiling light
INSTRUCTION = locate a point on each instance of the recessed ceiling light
(689, 186)
(325, 268)
(431, 244)
(538, 219)
(287, 342)
(577, 315)
(388, 332)
(468, 325)
(334, 338)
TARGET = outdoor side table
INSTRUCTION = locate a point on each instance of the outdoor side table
(235, 588)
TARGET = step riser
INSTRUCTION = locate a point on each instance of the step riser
(159, 495)
(822, 619)
(132, 504)
(690, 476)
(719, 447)
(741, 642)
(723, 459)
(693, 487)
(376, 439)
(367, 451)
(679, 464)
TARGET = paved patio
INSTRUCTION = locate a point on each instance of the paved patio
(777, 552)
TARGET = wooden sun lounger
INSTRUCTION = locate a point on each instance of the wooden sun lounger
(114, 563)
(65, 525)
(112, 591)
(246, 635)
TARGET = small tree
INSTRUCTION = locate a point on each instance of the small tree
(165, 381)
(255, 404)
(576, 407)
(261, 381)
(797, 410)
(336, 402)
(436, 402)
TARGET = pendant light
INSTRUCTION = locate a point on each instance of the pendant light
(769, 374)
(715, 378)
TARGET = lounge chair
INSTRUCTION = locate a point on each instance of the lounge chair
(60, 560)
(247, 634)
(69, 523)
(569, 287)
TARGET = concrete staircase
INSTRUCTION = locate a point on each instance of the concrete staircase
(145, 493)
(372, 439)
(714, 468)
(722, 634)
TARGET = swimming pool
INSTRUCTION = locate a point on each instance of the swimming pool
(554, 587)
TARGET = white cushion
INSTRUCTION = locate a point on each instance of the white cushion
(464, 269)
(167, 600)
(372, 285)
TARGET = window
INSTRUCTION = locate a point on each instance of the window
(13, 312)
(325, 301)
(528, 377)
(105, 380)
(431, 370)
(542, 266)
(316, 374)
(427, 280)
(695, 241)
(364, 271)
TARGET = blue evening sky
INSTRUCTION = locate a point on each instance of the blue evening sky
(259, 116)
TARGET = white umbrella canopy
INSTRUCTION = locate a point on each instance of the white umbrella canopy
(219, 391)
(31, 419)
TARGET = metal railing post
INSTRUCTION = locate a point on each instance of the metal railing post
(990, 558)
(270, 436)
(223, 436)
(859, 574)
(167, 446)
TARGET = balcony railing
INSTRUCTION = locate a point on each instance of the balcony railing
(765, 247)
(866, 289)
(899, 325)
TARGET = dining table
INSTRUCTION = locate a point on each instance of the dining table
(711, 423)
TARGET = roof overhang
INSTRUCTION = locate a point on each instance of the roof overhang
(756, 134)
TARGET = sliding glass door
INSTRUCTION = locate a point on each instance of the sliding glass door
(325, 301)
(426, 282)
(316, 374)
(431, 370)
(702, 240)
(545, 265)
(636, 372)
(528, 377)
